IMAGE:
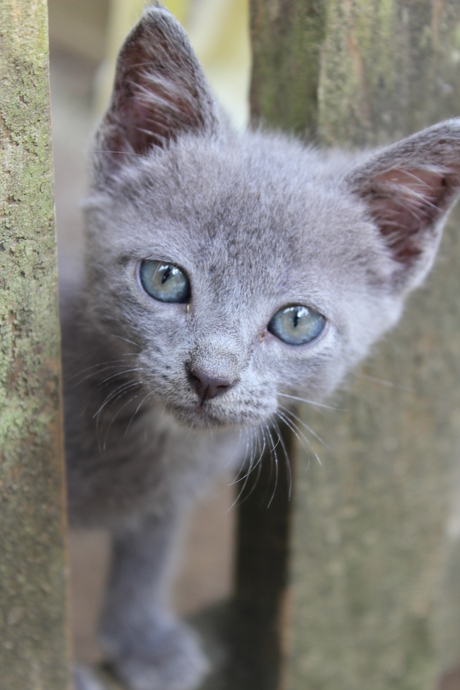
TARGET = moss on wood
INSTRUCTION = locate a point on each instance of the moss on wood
(33, 648)
(286, 37)
(370, 551)
(369, 556)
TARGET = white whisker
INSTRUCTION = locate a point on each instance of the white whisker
(258, 465)
(309, 402)
(126, 340)
(273, 448)
(149, 394)
(96, 369)
(298, 419)
(387, 384)
(113, 398)
(120, 373)
(286, 456)
(114, 395)
(114, 418)
(298, 433)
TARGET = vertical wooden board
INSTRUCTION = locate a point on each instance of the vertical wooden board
(33, 639)
(264, 525)
(370, 547)
(388, 68)
(286, 40)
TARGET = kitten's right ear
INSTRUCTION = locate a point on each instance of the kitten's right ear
(160, 91)
(408, 189)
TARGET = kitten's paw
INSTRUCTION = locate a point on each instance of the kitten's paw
(168, 658)
(84, 680)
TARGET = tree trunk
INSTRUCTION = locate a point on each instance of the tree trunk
(33, 638)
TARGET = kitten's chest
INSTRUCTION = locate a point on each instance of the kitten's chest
(156, 464)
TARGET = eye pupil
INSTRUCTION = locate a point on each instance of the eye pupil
(297, 324)
(166, 275)
(164, 282)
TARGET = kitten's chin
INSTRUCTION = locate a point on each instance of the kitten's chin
(210, 416)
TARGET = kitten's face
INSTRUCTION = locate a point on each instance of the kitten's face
(252, 239)
(250, 226)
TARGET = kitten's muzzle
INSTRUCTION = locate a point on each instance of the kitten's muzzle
(208, 387)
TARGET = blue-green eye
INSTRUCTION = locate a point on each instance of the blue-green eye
(164, 281)
(297, 325)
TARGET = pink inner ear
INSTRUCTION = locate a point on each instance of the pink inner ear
(160, 112)
(160, 92)
(156, 99)
(405, 203)
(152, 116)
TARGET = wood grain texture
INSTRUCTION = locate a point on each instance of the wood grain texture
(33, 637)
(388, 68)
(374, 553)
(373, 565)
(286, 39)
(263, 542)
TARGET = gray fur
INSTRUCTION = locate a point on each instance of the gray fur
(258, 221)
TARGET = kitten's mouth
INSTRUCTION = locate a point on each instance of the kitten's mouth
(207, 414)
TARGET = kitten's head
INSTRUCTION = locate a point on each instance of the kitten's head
(245, 267)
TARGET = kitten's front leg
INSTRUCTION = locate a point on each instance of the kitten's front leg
(149, 648)
(84, 680)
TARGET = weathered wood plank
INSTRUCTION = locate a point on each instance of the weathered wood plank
(374, 573)
(33, 638)
(286, 40)
(370, 544)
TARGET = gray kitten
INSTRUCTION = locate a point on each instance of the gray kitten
(222, 272)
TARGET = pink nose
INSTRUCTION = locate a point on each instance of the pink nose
(208, 387)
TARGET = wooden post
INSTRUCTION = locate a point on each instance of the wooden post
(286, 41)
(33, 637)
(370, 550)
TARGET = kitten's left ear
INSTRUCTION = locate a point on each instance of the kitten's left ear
(409, 188)
(160, 92)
